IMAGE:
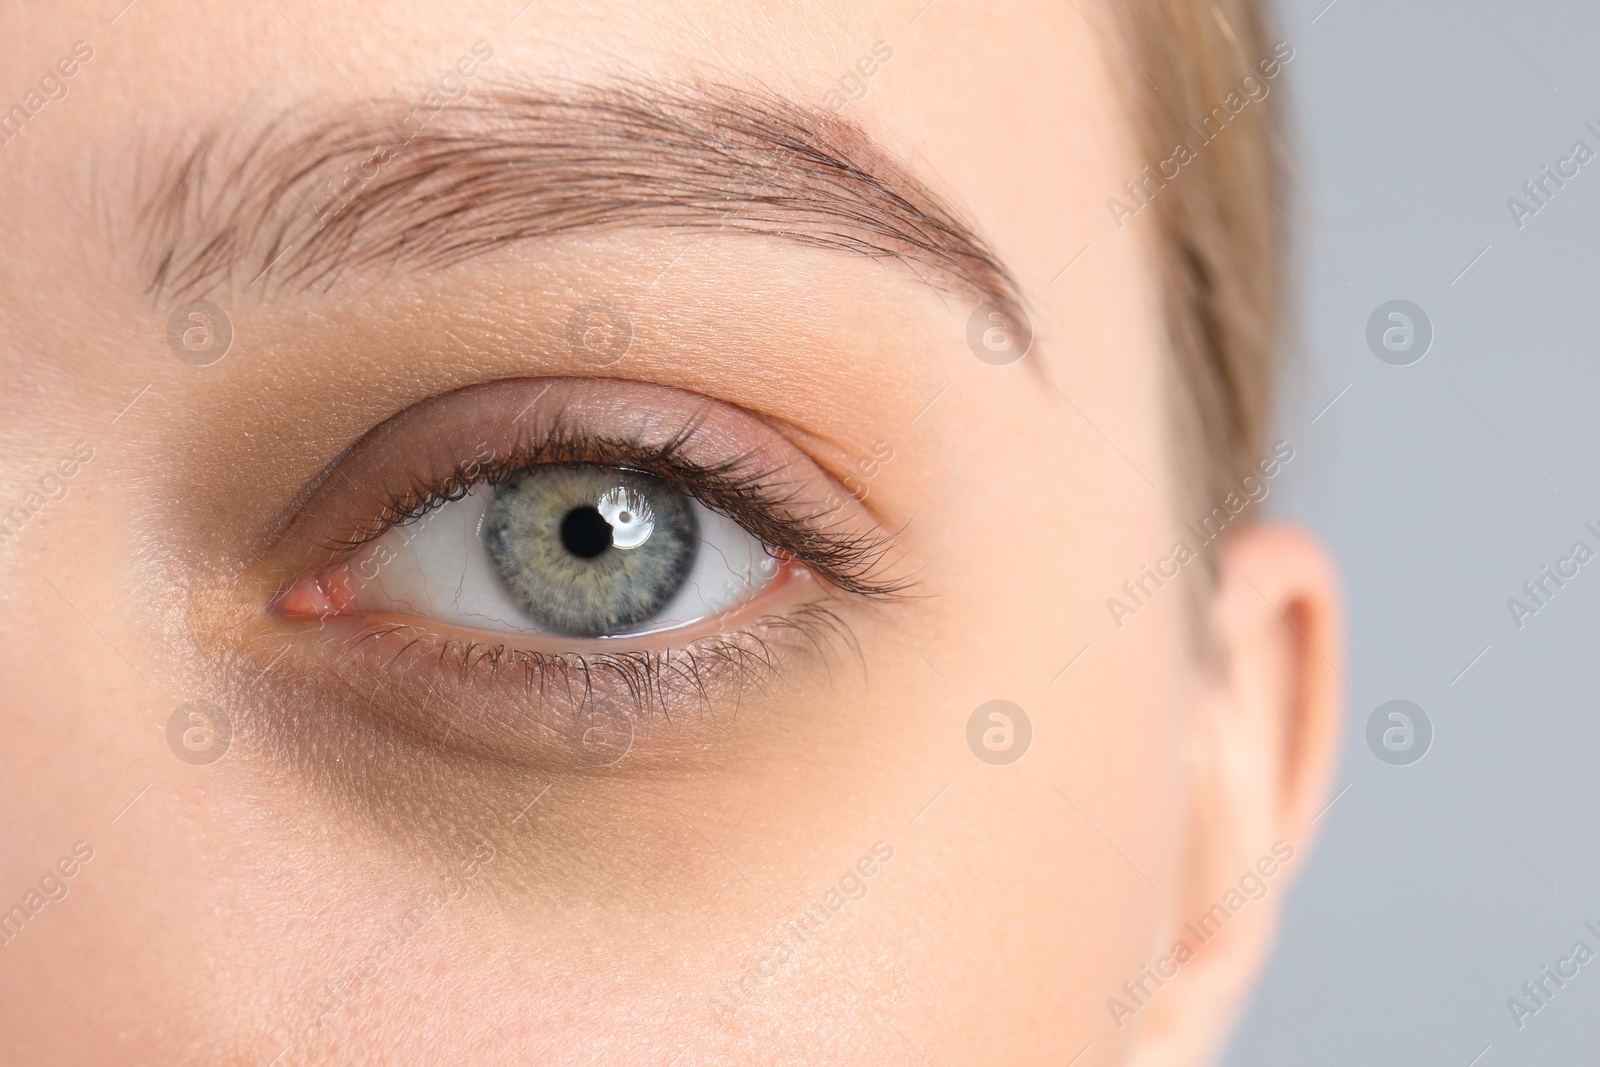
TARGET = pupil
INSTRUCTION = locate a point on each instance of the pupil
(585, 532)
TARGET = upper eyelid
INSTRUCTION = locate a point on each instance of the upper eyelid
(732, 459)
(417, 500)
(849, 561)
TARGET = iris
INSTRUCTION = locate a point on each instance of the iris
(588, 550)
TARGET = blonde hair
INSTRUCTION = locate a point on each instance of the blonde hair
(1220, 228)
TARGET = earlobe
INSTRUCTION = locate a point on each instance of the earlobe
(1265, 736)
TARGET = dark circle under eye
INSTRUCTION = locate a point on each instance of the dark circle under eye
(588, 550)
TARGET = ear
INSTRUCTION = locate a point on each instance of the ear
(1265, 737)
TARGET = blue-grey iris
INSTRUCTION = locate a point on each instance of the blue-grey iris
(587, 550)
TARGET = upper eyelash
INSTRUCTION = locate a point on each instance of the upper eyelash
(851, 561)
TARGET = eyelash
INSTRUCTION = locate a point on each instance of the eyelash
(853, 562)
(650, 677)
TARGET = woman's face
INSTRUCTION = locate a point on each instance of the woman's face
(363, 708)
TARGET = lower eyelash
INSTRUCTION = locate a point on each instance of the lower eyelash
(652, 680)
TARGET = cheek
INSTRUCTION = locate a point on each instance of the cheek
(1027, 521)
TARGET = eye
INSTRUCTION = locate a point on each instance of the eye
(508, 560)
(566, 549)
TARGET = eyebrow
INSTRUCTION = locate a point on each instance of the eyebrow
(306, 201)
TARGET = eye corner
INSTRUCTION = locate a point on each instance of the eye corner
(313, 596)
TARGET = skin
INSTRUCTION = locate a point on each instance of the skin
(221, 906)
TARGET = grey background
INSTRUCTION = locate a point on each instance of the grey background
(1438, 888)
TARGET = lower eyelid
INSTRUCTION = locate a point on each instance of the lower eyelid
(471, 695)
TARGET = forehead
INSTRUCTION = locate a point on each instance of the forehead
(1013, 116)
(1013, 119)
